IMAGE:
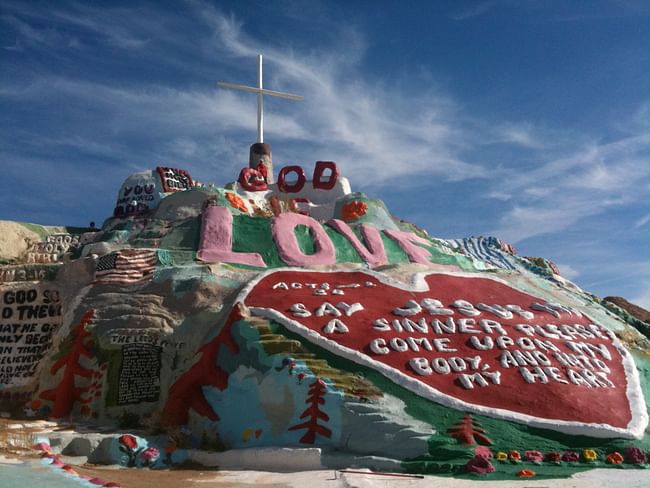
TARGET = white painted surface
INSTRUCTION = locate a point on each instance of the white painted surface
(322, 203)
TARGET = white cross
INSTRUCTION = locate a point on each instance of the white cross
(260, 94)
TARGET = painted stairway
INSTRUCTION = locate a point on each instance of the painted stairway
(361, 415)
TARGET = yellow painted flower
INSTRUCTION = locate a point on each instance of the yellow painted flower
(589, 455)
(502, 456)
(247, 434)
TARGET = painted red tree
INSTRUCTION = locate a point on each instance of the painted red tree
(469, 431)
(187, 391)
(66, 393)
(313, 413)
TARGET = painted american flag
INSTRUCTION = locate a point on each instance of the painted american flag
(125, 267)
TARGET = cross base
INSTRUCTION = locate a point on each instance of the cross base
(260, 152)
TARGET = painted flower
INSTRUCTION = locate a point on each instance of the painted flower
(171, 446)
(354, 210)
(149, 456)
(615, 458)
(128, 441)
(634, 455)
(42, 446)
(502, 456)
(479, 465)
(526, 473)
(236, 202)
(129, 446)
(589, 455)
(570, 457)
(483, 451)
(554, 457)
(514, 456)
(534, 456)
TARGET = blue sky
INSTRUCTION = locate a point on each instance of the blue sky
(527, 120)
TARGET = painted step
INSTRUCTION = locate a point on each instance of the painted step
(274, 346)
(303, 356)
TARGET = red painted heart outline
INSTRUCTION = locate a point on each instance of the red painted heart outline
(611, 412)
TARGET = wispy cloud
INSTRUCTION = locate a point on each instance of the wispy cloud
(625, 273)
(568, 271)
(377, 133)
(642, 221)
(390, 136)
(557, 194)
(56, 26)
(359, 120)
(643, 299)
(474, 10)
(28, 35)
(523, 135)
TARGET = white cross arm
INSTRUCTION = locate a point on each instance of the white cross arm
(262, 91)
(260, 96)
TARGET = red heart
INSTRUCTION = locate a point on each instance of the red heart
(586, 382)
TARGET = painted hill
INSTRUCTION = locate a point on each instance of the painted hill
(302, 314)
(635, 311)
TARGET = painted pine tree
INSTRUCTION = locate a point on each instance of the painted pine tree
(77, 344)
(313, 413)
(469, 431)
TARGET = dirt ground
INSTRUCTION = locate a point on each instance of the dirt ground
(174, 478)
(16, 444)
(141, 478)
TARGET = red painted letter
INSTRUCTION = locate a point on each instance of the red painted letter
(319, 170)
(297, 186)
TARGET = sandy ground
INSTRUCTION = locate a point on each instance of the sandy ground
(600, 478)
(204, 478)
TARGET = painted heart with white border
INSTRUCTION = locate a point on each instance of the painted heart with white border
(467, 341)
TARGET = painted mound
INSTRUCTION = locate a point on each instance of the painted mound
(302, 314)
